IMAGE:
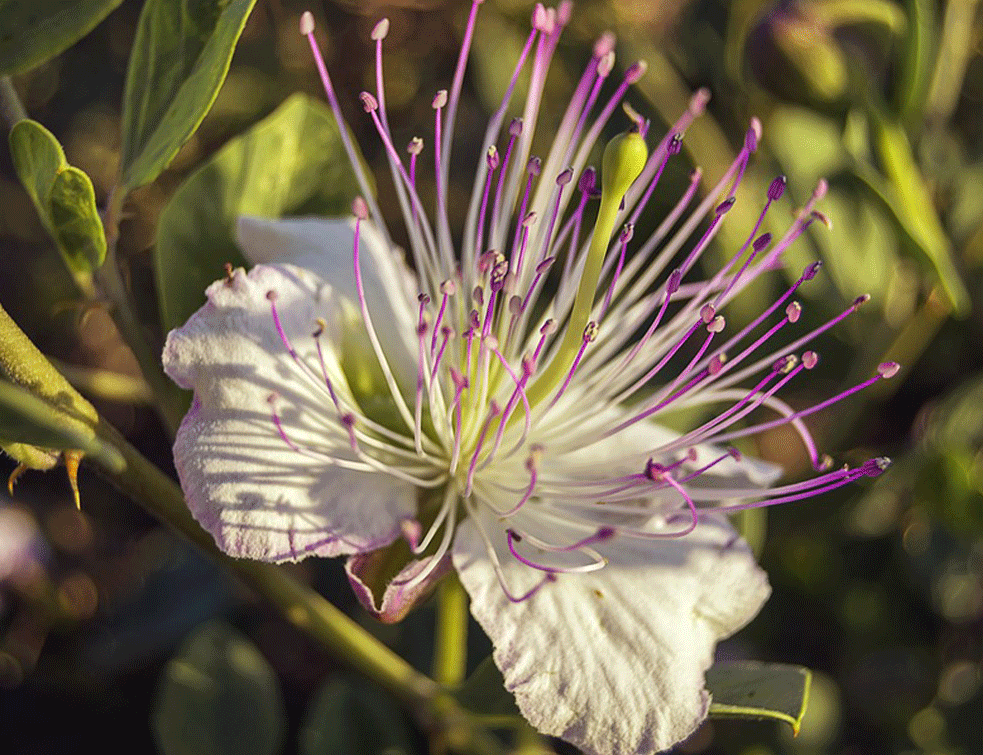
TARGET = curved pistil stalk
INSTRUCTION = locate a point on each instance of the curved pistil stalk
(624, 159)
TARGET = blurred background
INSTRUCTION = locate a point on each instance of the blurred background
(878, 587)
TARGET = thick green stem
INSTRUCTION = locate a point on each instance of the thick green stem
(451, 650)
(168, 400)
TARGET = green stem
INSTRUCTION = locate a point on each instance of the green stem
(302, 606)
(169, 404)
(451, 651)
(11, 109)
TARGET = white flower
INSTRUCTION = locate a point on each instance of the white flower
(498, 407)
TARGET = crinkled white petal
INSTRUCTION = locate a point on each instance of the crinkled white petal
(613, 660)
(324, 246)
(258, 497)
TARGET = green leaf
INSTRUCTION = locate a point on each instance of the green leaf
(747, 689)
(484, 694)
(290, 163)
(218, 696)
(32, 31)
(354, 720)
(62, 195)
(178, 61)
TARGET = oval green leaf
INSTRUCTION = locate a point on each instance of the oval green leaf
(32, 31)
(290, 163)
(355, 720)
(218, 696)
(62, 195)
(747, 689)
(179, 59)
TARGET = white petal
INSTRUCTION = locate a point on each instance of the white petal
(613, 660)
(324, 246)
(258, 497)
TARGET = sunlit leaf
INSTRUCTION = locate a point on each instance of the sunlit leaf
(62, 195)
(178, 62)
(289, 163)
(32, 31)
(746, 689)
(218, 696)
(355, 720)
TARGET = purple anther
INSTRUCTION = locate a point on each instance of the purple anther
(654, 471)
(492, 158)
(785, 364)
(860, 301)
(359, 208)
(626, 233)
(793, 311)
(761, 242)
(716, 363)
(515, 127)
(812, 270)
(548, 328)
(380, 30)
(478, 294)
(725, 206)
(717, 324)
(448, 287)
(515, 305)
(735, 454)
(307, 23)
(369, 103)
(751, 137)
(675, 145)
(604, 44)
(675, 279)
(810, 359)
(439, 99)
(535, 166)
(590, 332)
(821, 188)
(474, 319)
(635, 71)
(707, 313)
(777, 188)
(604, 533)
(698, 102)
(498, 273)
(606, 64)
(272, 295)
(543, 19)
(415, 147)
(564, 11)
(528, 219)
(545, 265)
(421, 329)
(565, 177)
(588, 180)
(424, 299)
(888, 369)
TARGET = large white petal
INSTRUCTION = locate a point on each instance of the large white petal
(324, 246)
(258, 497)
(613, 661)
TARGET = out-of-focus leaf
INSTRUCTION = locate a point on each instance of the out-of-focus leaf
(218, 696)
(178, 62)
(790, 129)
(908, 198)
(32, 31)
(484, 694)
(956, 48)
(745, 689)
(355, 720)
(290, 163)
(62, 195)
(918, 49)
